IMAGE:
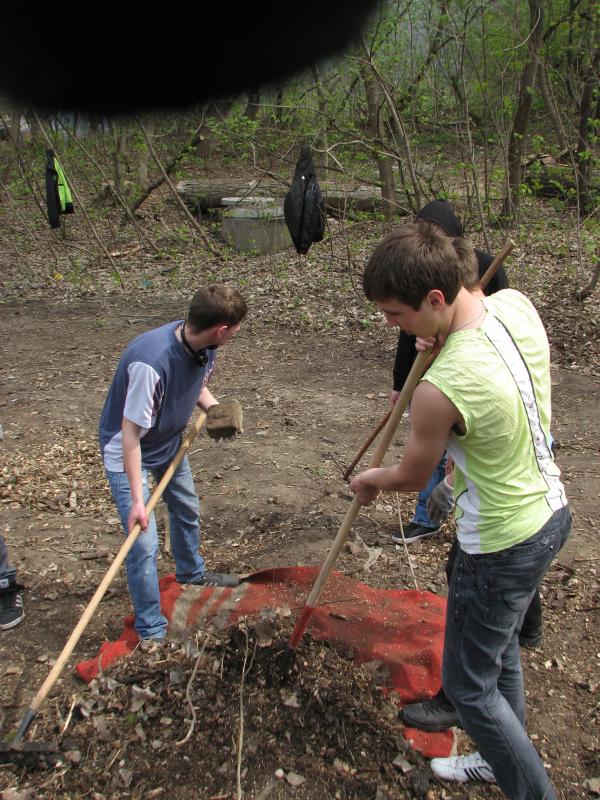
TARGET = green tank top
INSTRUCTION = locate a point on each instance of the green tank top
(506, 484)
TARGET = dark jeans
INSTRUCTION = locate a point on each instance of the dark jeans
(481, 674)
(532, 627)
(7, 571)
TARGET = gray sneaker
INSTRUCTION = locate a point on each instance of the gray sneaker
(11, 603)
(217, 579)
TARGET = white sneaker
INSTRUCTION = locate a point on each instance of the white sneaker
(463, 769)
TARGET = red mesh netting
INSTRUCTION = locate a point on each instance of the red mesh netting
(402, 629)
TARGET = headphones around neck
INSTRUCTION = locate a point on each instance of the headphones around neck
(200, 356)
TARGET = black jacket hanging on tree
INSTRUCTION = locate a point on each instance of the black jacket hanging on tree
(58, 194)
(303, 204)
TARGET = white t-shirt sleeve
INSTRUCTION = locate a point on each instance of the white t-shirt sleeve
(144, 395)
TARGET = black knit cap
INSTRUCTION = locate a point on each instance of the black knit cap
(440, 212)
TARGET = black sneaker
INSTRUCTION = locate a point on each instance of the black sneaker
(216, 579)
(437, 714)
(11, 605)
(413, 532)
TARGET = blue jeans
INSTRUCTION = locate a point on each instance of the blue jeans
(481, 673)
(421, 516)
(6, 568)
(184, 518)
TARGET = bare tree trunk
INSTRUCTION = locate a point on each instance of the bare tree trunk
(463, 99)
(521, 119)
(400, 131)
(279, 105)
(375, 126)
(29, 175)
(438, 41)
(119, 153)
(14, 134)
(216, 110)
(322, 156)
(585, 155)
(168, 168)
(583, 294)
(14, 130)
(143, 179)
(118, 197)
(551, 106)
(81, 205)
(194, 223)
(458, 90)
(253, 105)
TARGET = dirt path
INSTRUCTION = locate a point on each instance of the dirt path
(273, 497)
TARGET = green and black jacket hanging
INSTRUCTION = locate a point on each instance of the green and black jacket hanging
(58, 194)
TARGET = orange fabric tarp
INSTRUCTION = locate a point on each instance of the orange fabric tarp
(402, 629)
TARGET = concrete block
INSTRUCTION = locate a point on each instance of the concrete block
(250, 228)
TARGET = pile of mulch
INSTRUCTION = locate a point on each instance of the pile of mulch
(222, 717)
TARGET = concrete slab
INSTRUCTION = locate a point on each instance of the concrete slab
(250, 228)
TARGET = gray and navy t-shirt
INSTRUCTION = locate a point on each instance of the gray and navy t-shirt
(156, 385)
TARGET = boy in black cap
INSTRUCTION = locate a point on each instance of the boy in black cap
(440, 212)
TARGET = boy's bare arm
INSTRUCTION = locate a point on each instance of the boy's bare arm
(432, 417)
(132, 461)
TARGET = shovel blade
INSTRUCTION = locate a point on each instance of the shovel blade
(31, 755)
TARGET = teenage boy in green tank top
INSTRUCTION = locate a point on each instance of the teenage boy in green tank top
(486, 399)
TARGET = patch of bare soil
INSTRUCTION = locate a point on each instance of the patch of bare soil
(313, 376)
(224, 713)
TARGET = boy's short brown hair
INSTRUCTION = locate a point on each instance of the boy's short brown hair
(216, 304)
(416, 258)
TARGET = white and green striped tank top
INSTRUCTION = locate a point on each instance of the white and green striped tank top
(506, 483)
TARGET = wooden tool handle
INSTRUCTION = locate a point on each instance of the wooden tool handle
(419, 367)
(493, 268)
(380, 425)
(108, 578)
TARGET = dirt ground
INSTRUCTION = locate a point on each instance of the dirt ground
(274, 496)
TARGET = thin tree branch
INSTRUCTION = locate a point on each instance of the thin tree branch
(410, 566)
(81, 204)
(398, 124)
(212, 248)
(188, 696)
(112, 188)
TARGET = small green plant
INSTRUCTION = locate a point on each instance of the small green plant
(538, 143)
(319, 472)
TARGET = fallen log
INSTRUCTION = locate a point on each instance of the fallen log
(202, 195)
(553, 180)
